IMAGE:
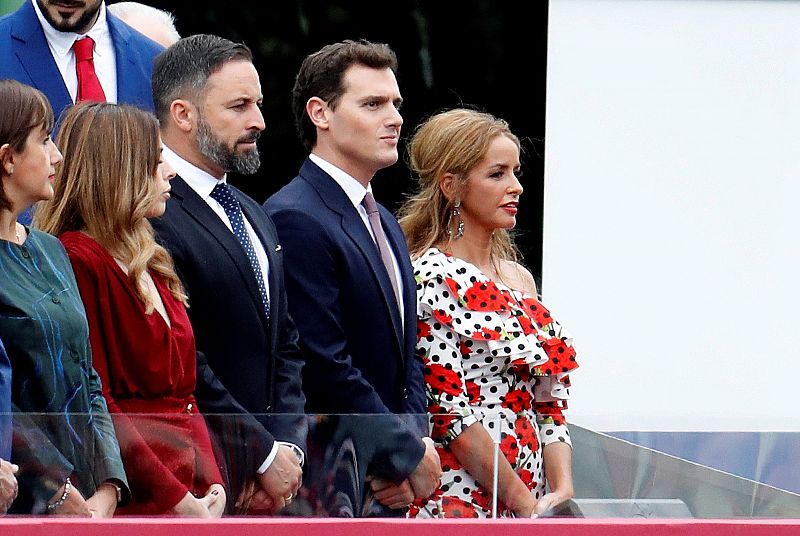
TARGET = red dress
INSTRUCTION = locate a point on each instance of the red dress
(148, 373)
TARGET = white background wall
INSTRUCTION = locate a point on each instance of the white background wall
(672, 210)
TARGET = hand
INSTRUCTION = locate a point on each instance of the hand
(103, 502)
(550, 500)
(217, 508)
(283, 478)
(425, 478)
(8, 485)
(74, 505)
(253, 500)
(394, 496)
(191, 506)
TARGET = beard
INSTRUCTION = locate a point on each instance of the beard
(226, 157)
(80, 25)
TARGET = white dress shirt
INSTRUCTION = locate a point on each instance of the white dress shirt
(355, 191)
(105, 60)
(202, 183)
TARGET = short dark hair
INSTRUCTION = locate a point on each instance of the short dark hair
(23, 109)
(322, 75)
(182, 70)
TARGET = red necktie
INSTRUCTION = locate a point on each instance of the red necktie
(89, 87)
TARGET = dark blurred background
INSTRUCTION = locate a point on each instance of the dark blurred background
(487, 54)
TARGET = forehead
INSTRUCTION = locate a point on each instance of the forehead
(235, 79)
(361, 81)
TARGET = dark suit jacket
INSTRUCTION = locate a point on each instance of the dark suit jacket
(359, 359)
(26, 57)
(5, 404)
(257, 361)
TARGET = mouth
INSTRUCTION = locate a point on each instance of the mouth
(166, 195)
(392, 139)
(511, 207)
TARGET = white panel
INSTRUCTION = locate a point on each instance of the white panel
(672, 220)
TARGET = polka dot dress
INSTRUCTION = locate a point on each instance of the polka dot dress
(493, 357)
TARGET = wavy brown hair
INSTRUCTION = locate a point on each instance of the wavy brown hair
(105, 188)
(452, 141)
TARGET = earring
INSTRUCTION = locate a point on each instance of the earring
(10, 170)
(459, 224)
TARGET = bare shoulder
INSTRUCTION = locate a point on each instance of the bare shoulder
(518, 277)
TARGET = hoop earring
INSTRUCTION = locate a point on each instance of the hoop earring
(459, 223)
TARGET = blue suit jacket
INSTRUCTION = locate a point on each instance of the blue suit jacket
(5, 404)
(26, 57)
(359, 356)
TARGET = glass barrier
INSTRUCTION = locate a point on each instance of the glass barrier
(625, 474)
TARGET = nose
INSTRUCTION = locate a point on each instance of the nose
(515, 187)
(395, 119)
(169, 173)
(55, 154)
(256, 120)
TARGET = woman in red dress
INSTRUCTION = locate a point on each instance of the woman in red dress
(143, 346)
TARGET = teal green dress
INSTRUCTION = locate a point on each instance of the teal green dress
(61, 423)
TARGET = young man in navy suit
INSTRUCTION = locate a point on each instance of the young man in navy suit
(36, 47)
(226, 252)
(349, 277)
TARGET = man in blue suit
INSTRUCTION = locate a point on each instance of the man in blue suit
(8, 480)
(36, 48)
(349, 278)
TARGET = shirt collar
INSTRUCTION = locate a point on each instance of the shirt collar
(61, 42)
(198, 180)
(354, 190)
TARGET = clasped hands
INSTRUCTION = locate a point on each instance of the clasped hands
(8, 485)
(420, 484)
(275, 488)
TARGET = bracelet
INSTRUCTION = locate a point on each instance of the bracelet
(52, 507)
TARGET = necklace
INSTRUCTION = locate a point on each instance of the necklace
(19, 238)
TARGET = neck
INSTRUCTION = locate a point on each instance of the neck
(475, 248)
(187, 149)
(333, 157)
(8, 226)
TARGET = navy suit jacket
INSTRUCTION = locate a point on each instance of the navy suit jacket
(359, 356)
(26, 57)
(257, 361)
(5, 404)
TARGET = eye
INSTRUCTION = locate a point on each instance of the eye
(371, 104)
(518, 173)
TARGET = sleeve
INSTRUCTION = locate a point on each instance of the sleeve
(439, 346)
(549, 409)
(144, 466)
(315, 297)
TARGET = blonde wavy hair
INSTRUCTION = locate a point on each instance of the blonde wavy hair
(105, 188)
(452, 141)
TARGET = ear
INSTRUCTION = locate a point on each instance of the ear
(183, 114)
(317, 110)
(6, 158)
(449, 186)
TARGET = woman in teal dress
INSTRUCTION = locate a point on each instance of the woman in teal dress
(64, 442)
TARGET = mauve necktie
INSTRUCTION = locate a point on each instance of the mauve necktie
(380, 239)
(89, 87)
(223, 195)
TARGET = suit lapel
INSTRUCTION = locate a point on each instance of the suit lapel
(353, 226)
(198, 209)
(34, 54)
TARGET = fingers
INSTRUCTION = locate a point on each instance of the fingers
(393, 496)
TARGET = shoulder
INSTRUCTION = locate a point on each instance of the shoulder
(83, 249)
(517, 277)
(297, 193)
(146, 46)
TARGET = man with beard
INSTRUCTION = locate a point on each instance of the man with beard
(208, 95)
(38, 46)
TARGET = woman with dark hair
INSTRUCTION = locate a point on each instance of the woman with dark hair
(496, 362)
(64, 441)
(112, 180)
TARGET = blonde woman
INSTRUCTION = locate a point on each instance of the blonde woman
(110, 182)
(493, 355)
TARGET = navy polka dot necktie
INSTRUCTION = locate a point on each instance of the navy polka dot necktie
(223, 195)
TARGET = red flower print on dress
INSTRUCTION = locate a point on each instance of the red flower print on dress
(527, 478)
(473, 392)
(454, 286)
(443, 317)
(442, 379)
(487, 334)
(464, 349)
(526, 324)
(537, 311)
(423, 329)
(562, 356)
(455, 507)
(485, 296)
(517, 400)
(509, 448)
(526, 433)
(447, 459)
(482, 498)
(521, 370)
(552, 410)
(442, 421)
